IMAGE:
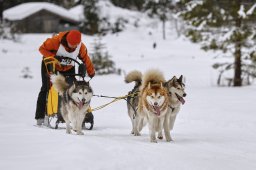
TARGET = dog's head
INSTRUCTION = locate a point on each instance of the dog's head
(156, 95)
(176, 88)
(81, 93)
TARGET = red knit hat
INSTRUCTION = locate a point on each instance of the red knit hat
(74, 37)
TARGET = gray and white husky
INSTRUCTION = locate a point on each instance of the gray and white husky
(176, 88)
(133, 100)
(75, 101)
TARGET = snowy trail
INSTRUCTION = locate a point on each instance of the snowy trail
(215, 129)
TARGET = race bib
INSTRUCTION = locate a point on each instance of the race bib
(66, 62)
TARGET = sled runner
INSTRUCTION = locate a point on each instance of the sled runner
(54, 99)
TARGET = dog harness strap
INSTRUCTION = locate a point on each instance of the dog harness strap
(66, 96)
(172, 108)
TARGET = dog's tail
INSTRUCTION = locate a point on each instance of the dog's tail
(152, 76)
(59, 83)
(135, 76)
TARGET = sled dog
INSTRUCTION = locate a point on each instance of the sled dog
(176, 89)
(133, 100)
(75, 101)
(153, 102)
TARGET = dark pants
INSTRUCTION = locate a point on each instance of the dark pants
(42, 96)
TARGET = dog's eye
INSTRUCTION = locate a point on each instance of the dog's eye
(178, 88)
(159, 97)
(85, 93)
(152, 97)
(80, 93)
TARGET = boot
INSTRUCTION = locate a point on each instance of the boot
(46, 122)
(39, 122)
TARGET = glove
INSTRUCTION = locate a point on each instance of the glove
(50, 63)
(91, 76)
(59, 58)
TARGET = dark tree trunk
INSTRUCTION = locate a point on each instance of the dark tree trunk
(237, 55)
(1, 10)
(164, 29)
(237, 76)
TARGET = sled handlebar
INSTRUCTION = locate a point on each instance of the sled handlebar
(81, 67)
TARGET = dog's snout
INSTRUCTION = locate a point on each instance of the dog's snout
(184, 95)
(155, 103)
(83, 100)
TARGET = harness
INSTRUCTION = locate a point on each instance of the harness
(170, 105)
(135, 93)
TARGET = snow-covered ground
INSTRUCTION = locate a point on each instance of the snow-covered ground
(215, 129)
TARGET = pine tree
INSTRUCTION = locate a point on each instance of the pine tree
(226, 26)
(129, 4)
(101, 59)
(159, 8)
(91, 23)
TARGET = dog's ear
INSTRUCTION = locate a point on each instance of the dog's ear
(87, 83)
(165, 84)
(161, 85)
(180, 79)
(174, 78)
(149, 85)
(75, 83)
(171, 82)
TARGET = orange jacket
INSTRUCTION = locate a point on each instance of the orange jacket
(50, 47)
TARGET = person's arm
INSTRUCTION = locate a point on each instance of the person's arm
(49, 47)
(87, 61)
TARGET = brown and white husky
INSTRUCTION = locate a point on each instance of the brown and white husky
(153, 102)
(176, 89)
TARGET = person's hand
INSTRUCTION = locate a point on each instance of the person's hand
(91, 76)
(59, 58)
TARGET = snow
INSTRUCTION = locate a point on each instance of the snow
(78, 11)
(215, 129)
(241, 12)
(251, 10)
(24, 10)
(108, 10)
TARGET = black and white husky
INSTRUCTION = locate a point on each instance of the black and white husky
(176, 88)
(75, 101)
(133, 100)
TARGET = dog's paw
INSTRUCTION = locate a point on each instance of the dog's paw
(160, 137)
(153, 140)
(169, 139)
(68, 131)
(137, 134)
(79, 133)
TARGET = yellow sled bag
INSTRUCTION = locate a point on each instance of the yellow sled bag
(52, 97)
(52, 102)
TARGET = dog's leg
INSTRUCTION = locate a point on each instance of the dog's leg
(142, 123)
(79, 122)
(161, 122)
(167, 127)
(64, 113)
(152, 131)
(132, 120)
(172, 120)
(137, 122)
(68, 127)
